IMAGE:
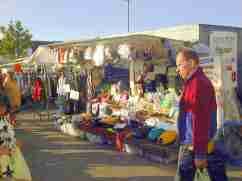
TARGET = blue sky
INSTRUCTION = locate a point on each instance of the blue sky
(76, 19)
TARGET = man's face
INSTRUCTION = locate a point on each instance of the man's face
(184, 67)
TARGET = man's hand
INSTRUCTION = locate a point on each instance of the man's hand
(201, 163)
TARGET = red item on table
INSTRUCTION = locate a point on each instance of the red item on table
(117, 138)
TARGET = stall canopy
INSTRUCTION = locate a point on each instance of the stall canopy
(116, 50)
(42, 56)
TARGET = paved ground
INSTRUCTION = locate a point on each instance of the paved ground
(53, 156)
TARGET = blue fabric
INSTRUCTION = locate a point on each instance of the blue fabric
(186, 168)
(155, 133)
(61, 108)
(185, 127)
(141, 133)
(150, 86)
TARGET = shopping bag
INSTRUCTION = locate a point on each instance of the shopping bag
(74, 95)
(201, 175)
(67, 88)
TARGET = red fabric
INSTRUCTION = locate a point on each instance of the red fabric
(117, 138)
(18, 68)
(61, 55)
(37, 91)
(199, 98)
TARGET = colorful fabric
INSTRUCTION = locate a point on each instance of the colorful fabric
(197, 119)
(167, 137)
(155, 133)
(18, 68)
(14, 166)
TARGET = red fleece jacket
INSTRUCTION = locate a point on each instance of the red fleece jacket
(199, 101)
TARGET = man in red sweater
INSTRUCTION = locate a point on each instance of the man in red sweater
(197, 124)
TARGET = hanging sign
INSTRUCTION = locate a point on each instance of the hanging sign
(224, 48)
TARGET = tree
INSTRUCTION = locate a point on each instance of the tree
(15, 40)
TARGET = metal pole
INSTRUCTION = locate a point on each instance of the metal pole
(134, 15)
(128, 15)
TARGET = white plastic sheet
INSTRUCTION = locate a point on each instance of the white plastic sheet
(98, 55)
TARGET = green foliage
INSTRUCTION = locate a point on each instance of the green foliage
(15, 40)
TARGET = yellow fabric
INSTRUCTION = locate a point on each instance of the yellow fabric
(18, 164)
(13, 92)
(210, 147)
(168, 137)
(4, 162)
(110, 120)
(21, 169)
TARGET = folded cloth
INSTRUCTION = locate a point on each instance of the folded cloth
(155, 133)
(120, 126)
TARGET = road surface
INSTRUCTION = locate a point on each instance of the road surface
(53, 156)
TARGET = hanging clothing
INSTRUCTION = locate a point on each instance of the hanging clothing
(61, 56)
(37, 91)
(90, 91)
(60, 86)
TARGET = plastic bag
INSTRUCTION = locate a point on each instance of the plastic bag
(202, 175)
(74, 95)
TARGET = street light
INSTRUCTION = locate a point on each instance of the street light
(129, 3)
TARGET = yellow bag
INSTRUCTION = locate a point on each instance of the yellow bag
(4, 163)
(168, 137)
(20, 167)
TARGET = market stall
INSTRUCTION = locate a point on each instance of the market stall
(121, 110)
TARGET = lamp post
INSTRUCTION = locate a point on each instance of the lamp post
(128, 15)
(129, 3)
